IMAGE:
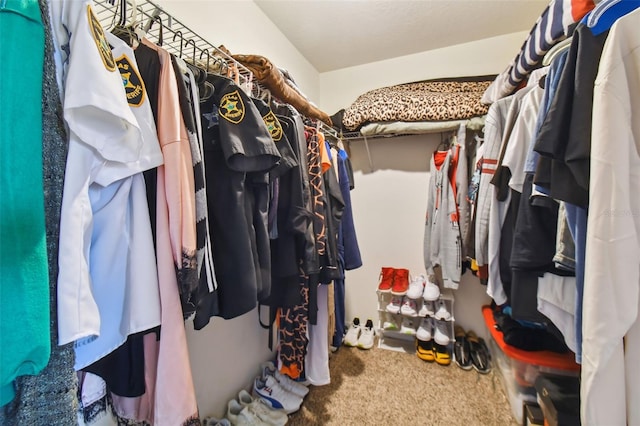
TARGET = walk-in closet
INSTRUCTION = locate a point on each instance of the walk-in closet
(270, 212)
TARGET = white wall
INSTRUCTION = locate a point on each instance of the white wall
(338, 89)
(389, 205)
(225, 355)
(389, 202)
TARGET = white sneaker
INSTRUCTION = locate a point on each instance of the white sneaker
(431, 291)
(351, 337)
(275, 396)
(212, 421)
(442, 313)
(367, 336)
(408, 326)
(441, 333)
(395, 304)
(260, 409)
(241, 416)
(409, 307)
(426, 309)
(424, 330)
(390, 324)
(286, 382)
(416, 287)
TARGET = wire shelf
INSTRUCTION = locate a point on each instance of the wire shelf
(176, 38)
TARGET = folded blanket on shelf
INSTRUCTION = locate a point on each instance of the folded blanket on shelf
(432, 100)
(420, 127)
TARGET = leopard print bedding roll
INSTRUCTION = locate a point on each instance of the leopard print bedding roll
(435, 100)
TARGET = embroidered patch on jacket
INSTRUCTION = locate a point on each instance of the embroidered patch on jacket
(133, 84)
(273, 125)
(232, 107)
(101, 41)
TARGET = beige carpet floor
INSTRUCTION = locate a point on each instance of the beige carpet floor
(383, 387)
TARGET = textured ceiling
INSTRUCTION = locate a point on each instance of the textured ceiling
(337, 34)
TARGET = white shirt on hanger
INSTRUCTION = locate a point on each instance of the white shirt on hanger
(106, 148)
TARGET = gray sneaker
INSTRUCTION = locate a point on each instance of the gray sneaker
(260, 409)
(239, 415)
(212, 421)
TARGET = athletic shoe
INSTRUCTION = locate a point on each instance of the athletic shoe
(285, 382)
(442, 355)
(400, 282)
(409, 307)
(416, 287)
(212, 421)
(442, 313)
(426, 309)
(441, 333)
(365, 341)
(241, 415)
(260, 409)
(424, 350)
(351, 337)
(480, 355)
(390, 324)
(275, 396)
(394, 306)
(386, 280)
(424, 332)
(431, 291)
(461, 349)
(408, 327)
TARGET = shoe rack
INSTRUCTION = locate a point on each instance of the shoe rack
(405, 340)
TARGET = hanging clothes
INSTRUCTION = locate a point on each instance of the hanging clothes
(239, 152)
(49, 397)
(174, 398)
(128, 298)
(610, 386)
(24, 293)
(442, 235)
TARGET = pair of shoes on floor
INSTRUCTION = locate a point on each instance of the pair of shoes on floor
(286, 382)
(278, 391)
(394, 280)
(359, 336)
(249, 411)
(439, 331)
(471, 351)
(430, 351)
(422, 288)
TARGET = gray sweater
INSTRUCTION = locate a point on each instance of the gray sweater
(442, 236)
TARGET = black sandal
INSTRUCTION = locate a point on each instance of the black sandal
(480, 355)
(461, 349)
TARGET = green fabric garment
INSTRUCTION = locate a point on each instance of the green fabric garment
(24, 280)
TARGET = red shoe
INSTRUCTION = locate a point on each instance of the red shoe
(400, 282)
(386, 280)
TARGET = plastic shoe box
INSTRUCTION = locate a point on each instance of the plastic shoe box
(519, 369)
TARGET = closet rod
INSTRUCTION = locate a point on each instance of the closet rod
(175, 34)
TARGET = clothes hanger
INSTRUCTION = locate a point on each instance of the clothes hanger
(193, 57)
(158, 19)
(125, 29)
(208, 57)
(175, 34)
(445, 141)
(556, 50)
